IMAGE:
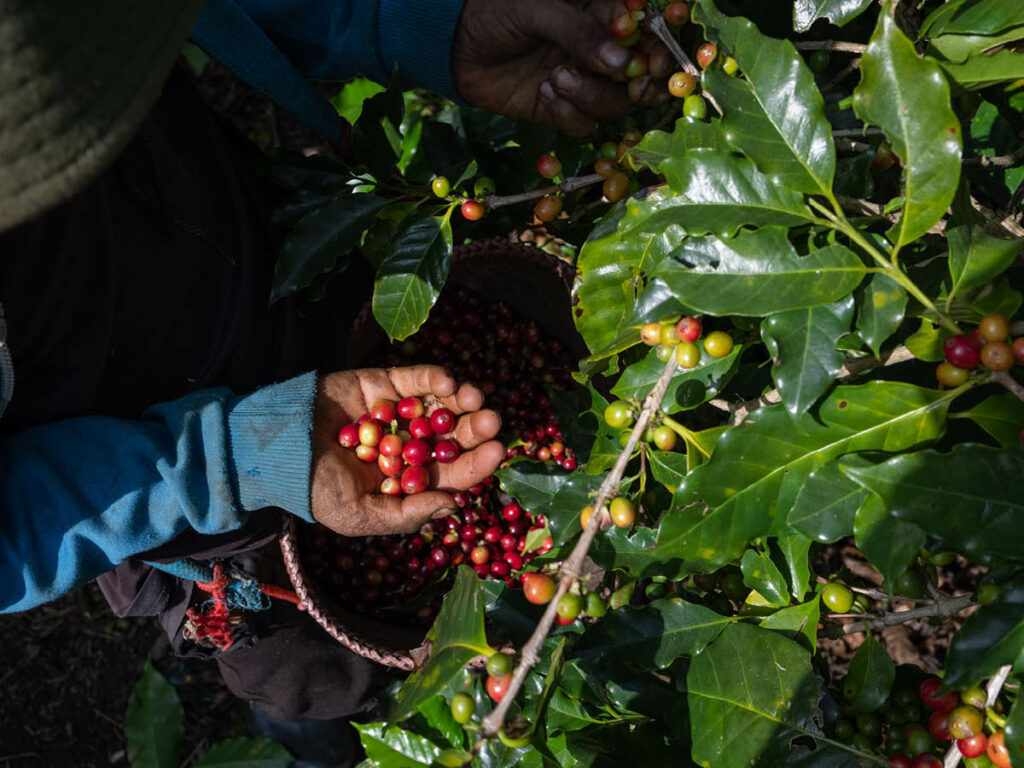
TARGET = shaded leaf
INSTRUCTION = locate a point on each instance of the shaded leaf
(908, 98)
(563, 511)
(881, 306)
(1002, 416)
(986, 69)
(979, 17)
(806, 12)
(392, 747)
(870, 677)
(990, 638)
(1015, 729)
(826, 505)
(532, 483)
(635, 553)
(245, 753)
(762, 575)
(957, 49)
(795, 550)
(975, 257)
(153, 722)
(889, 543)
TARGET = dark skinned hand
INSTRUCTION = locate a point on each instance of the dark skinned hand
(345, 491)
(551, 61)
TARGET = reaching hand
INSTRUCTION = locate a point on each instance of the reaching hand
(344, 491)
(551, 61)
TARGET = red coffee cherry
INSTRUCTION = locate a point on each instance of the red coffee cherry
(682, 84)
(391, 486)
(384, 411)
(472, 210)
(677, 14)
(348, 436)
(1018, 349)
(414, 480)
(410, 408)
(938, 726)
(974, 746)
(416, 452)
(706, 54)
(549, 166)
(538, 588)
(442, 421)
(420, 427)
(900, 761)
(446, 451)
(960, 351)
(390, 445)
(391, 466)
(370, 433)
(624, 26)
(689, 329)
(943, 703)
(367, 453)
(497, 687)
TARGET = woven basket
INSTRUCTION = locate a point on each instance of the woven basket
(535, 285)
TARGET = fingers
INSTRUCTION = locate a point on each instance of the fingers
(382, 515)
(574, 31)
(421, 380)
(470, 468)
(660, 63)
(476, 428)
(563, 113)
(647, 91)
(596, 96)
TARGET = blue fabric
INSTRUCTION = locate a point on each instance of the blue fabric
(242, 592)
(78, 496)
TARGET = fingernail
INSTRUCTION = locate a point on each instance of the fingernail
(546, 91)
(614, 55)
(565, 79)
(443, 512)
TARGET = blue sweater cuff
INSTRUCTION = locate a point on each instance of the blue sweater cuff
(417, 37)
(269, 433)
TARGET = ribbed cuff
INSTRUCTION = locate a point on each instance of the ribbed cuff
(417, 36)
(269, 433)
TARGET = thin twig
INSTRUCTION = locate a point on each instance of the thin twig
(569, 185)
(995, 685)
(854, 133)
(941, 607)
(1000, 161)
(571, 567)
(659, 27)
(1004, 378)
(830, 45)
(841, 75)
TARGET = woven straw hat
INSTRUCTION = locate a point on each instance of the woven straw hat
(76, 80)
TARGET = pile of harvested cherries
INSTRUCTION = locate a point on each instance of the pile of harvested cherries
(401, 579)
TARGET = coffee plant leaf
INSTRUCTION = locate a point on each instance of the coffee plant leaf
(758, 273)
(748, 485)
(715, 191)
(762, 575)
(456, 637)
(438, 724)
(987, 17)
(634, 553)
(752, 693)
(956, 49)
(971, 498)
(1002, 416)
(908, 98)
(795, 551)
(713, 373)
(889, 543)
(317, 174)
(803, 343)
(245, 753)
(533, 484)
(998, 296)
(975, 257)
(321, 240)
(839, 12)
(926, 343)
(881, 307)
(798, 623)
(658, 146)
(653, 636)
(411, 277)
(1015, 729)
(389, 746)
(776, 115)
(669, 468)
(376, 140)
(509, 613)
(991, 637)
(563, 511)
(154, 722)
(987, 69)
(826, 505)
(870, 678)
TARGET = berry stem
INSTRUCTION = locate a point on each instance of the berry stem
(995, 685)
(570, 569)
(829, 45)
(943, 607)
(659, 27)
(684, 433)
(1004, 378)
(569, 185)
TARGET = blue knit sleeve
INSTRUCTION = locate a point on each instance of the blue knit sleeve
(79, 496)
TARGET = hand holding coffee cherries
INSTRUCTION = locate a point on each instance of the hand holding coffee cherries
(346, 492)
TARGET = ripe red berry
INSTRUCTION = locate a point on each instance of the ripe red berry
(1018, 349)
(549, 166)
(390, 445)
(514, 560)
(928, 694)
(348, 436)
(414, 480)
(442, 421)
(938, 726)
(961, 352)
(677, 13)
(689, 329)
(500, 568)
(472, 210)
(635, 5)
(410, 408)
(440, 556)
(900, 761)
(926, 760)
(391, 486)
(511, 511)
(391, 466)
(370, 433)
(367, 453)
(416, 452)
(480, 555)
(706, 54)
(538, 588)
(384, 411)
(497, 687)
(974, 746)
(624, 26)
(420, 427)
(446, 451)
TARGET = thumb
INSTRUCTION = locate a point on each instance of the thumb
(575, 31)
(391, 515)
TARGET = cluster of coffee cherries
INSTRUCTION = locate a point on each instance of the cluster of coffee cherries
(620, 415)
(472, 208)
(989, 345)
(680, 338)
(402, 450)
(509, 358)
(914, 725)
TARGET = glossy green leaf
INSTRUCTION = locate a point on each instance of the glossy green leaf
(889, 543)
(563, 510)
(979, 17)
(926, 344)
(908, 98)
(411, 277)
(826, 505)
(715, 191)
(669, 469)
(534, 484)
(798, 623)
(803, 343)
(349, 100)
(372, 142)
(751, 694)
(986, 69)
(245, 753)
(839, 12)
(761, 574)
(1002, 416)
(659, 146)
(392, 747)
(713, 373)
(990, 638)
(653, 636)
(758, 273)
(975, 257)
(998, 296)
(957, 49)
(881, 306)
(565, 713)
(635, 553)
(456, 638)
(776, 115)
(870, 677)
(971, 498)
(437, 715)
(322, 239)
(1015, 729)
(758, 467)
(796, 550)
(154, 722)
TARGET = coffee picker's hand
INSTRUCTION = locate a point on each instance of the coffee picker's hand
(345, 491)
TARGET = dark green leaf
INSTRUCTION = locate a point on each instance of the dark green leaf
(758, 273)
(803, 343)
(889, 543)
(1015, 729)
(998, 296)
(806, 12)
(776, 116)
(245, 753)
(956, 49)
(870, 678)
(533, 484)
(568, 714)
(975, 257)
(653, 636)
(881, 305)
(411, 277)
(971, 498)
(321, 239)
(826, 505)
(992, 637)
(437, 713)
(391, 747)
(153, 722)
(322, 174)
(979, 17)
(635, 553)
(798, 623)
(761, 574)
(854, 177)
(748, 486)
(751, 693)
(370, 140)
(712, 373)
(986, 69)
(1002, 416)
(456, 638)
(563, 511)
(908, 98)
(795, 551)
(603, 454)
(669, 468)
